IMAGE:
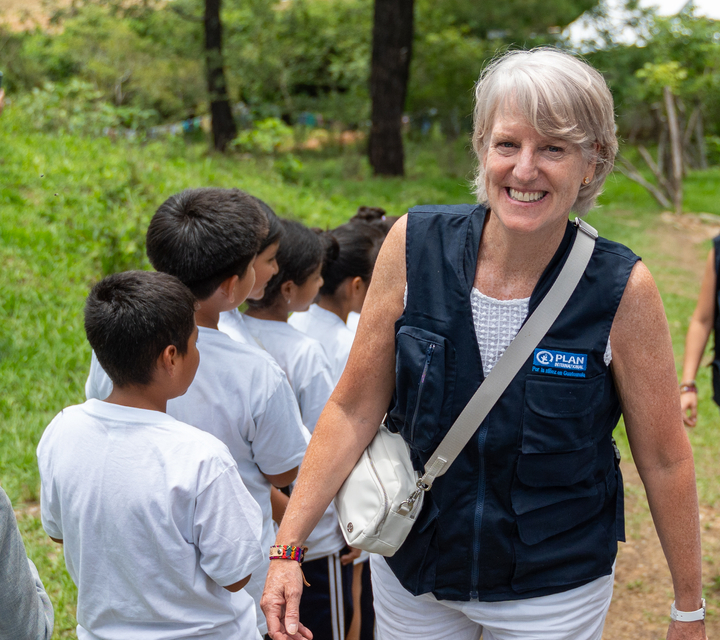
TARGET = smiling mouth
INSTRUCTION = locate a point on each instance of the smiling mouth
(525, 196)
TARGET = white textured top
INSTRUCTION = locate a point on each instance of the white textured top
(496, 324)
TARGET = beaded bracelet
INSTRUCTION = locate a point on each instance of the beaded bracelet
(686, 387)
(289, 552)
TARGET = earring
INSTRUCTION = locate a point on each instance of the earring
(586, 180)
(287, 300)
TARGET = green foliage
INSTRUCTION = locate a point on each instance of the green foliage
(289, 167)
(54, 247)
(683, 51)
(270, 135)
(78, 107)
(664, 74)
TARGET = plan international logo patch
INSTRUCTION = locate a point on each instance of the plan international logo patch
(559, 363)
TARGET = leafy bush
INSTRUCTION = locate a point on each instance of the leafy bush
(270, 135)
(77, 107)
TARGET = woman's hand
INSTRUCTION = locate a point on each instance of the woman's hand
(281, 601)
(689, 404)
(687, 631)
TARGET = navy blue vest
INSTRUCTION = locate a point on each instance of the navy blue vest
(716, 361)
(533, 504)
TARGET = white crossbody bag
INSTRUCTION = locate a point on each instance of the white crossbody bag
(380, 499)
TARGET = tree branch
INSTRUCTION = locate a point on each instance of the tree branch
(628, 170)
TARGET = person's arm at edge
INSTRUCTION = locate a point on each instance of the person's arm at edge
(347, 425)
(701, 324)
(234, 588)
(644, 373)
(281, 480)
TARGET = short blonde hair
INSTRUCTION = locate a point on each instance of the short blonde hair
(561, 96)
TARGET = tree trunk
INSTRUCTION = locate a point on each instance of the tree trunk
(389, 74)
(676, 146)
(700, 138)
(223, 124)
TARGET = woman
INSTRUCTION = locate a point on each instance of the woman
(518, 539)
(704, 320)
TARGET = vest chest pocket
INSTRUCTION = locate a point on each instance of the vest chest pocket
(425, 382)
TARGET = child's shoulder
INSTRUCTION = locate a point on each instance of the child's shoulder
(235, 361)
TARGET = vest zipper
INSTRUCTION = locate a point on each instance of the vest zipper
(479, 506)
(421, 386)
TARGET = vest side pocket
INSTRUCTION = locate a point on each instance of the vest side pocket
(424, 386)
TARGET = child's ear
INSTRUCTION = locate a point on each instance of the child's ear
(168, 359)
(227, 287)
(356, 284)
(287, 289)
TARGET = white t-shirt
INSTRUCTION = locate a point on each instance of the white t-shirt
(302, 359)
(308, 370)
(330, 331)
(242, 397)
(353, 321)
(233, 323)
(154, 519)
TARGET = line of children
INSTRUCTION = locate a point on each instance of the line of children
(347, 269)
(327, 602)
(346, 272)
(160, 534)
(225, 246)
(209, 238)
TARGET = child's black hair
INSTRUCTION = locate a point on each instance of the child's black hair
(376, 216)
(299, 254)
(275, 229)
(131, 317)
(204, 236)
(358, 244)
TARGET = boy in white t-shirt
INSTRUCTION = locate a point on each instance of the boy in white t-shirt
(159, 532)
(208, 238)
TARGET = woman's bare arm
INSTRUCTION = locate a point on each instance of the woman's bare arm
(347, 425)
(644, 372)
(701, 324)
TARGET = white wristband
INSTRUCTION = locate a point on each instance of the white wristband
(687, 616)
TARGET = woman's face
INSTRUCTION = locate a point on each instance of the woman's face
(532, 180)
(266, 267)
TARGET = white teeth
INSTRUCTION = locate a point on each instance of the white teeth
(526, 196)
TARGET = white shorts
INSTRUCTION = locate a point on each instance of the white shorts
(577, 614)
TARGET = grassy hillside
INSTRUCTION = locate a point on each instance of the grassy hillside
(73, 209)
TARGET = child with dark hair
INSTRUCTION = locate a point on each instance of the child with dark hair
(232, 322)
(346, 273)
(327, 604)
(157, 527)
(293, 288)
(347, 270)
(209, 238)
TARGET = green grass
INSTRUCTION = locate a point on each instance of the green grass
(73, 209)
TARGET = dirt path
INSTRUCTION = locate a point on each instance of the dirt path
(643, 589)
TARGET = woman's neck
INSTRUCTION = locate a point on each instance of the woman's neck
(511, 263)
